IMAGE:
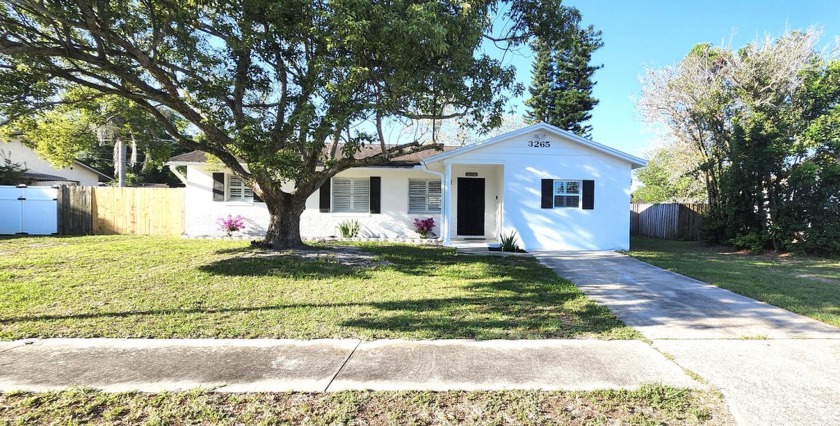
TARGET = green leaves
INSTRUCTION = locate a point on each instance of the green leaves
(271, 81)
(57, 135)
(763, 122)
(561, 86)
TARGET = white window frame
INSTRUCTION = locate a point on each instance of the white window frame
(359, 195)
(561, 188)
(427, 195)
(235, 184)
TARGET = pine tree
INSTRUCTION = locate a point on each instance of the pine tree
(561, 85)
(542, 81)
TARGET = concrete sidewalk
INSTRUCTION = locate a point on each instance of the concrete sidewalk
(768, 382)
(332, 365)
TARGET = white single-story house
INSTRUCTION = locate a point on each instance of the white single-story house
(41, 173)
(558, 191)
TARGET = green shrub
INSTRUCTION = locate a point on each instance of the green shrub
(349, 228)
(509, 242)
(11, 173)
(754, 241)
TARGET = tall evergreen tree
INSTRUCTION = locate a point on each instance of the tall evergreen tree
(561, 85)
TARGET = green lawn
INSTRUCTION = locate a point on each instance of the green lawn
(126, 286)
(805, 285)
(651, 405)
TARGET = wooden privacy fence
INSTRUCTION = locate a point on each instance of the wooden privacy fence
(84, 210)
(671, 221)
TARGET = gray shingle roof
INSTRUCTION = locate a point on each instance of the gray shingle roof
(403, 160)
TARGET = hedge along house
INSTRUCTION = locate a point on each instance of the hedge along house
(558, 191)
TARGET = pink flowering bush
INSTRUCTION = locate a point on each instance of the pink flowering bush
(231, 224)
(424, 226)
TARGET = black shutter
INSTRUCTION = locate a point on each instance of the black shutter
(218, 187)
(589, 195)
(547, 194)
(375, 194)
(324, 197)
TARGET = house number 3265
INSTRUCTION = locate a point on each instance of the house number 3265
(539, 144)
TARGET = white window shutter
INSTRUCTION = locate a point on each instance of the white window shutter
(434, 195)
(341, 194)
(416, 195)
(361, 195)
(351, 195)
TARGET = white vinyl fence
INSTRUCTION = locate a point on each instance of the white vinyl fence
(31, 210)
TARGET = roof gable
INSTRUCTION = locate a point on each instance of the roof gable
(634, 161)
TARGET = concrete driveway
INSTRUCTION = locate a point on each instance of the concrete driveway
(665, 305)
(773, 367)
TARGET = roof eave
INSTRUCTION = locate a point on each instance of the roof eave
(635, 162)
(86, 167)
(183, 163)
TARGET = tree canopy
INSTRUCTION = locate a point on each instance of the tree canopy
(277, 84)
(86, 126)
(763, 124)
(670, 177)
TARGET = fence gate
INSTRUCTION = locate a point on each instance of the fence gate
(28, 210)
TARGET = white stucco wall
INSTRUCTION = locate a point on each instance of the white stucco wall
(512, 170)
(202, 213)
(606, 227)
(19, 153)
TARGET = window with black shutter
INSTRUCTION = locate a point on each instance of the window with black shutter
(351, 195)
(567, 193)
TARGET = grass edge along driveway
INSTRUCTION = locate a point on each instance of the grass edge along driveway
(153, 287)
(808, 286)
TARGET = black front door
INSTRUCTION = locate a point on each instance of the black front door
(470, 206)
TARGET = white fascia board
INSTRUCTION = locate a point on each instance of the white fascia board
(181, 163)
(634, 161)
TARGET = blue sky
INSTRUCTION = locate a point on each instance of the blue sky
(658, 33)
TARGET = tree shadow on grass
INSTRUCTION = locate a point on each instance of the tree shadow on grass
(507, 298)
(433, 261)
(237, 250)
(175, 310)
(284, 267)
(251, 248)
(497, 309)
(515, 317)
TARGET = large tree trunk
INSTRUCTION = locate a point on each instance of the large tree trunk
(284, 223)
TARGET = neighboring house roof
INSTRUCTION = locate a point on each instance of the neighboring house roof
(189, 157)
(78, 171)
(43, 177)
(409, 160)
(89, 167)
(635, 162)
(76, 162)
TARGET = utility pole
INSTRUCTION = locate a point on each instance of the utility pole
(120, 162)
